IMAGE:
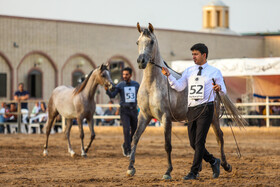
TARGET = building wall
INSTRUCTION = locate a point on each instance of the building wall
(62, 44)
(272, 46)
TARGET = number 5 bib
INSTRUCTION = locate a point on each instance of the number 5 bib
(196, 87)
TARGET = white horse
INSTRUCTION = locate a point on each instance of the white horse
(77, 103)
(153, 97)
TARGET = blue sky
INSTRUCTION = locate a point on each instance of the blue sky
(245, 15)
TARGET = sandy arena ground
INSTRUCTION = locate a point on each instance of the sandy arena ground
(22, 162)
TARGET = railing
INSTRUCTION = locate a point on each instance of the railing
(267, 105)
(267, 117)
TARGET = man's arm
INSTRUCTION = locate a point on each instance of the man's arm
(114, 93)
(180, 84)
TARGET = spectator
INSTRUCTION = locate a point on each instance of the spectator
(22, 95)
(98, 112)
(275, 111)
(108, 112)
(2, 118)
(35, 111)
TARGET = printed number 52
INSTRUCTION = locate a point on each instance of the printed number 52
(196, 89)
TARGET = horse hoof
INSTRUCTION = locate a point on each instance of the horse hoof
(45, 153)
(84, 155)
(73, 154)
(131, 172)
(227, 167)
(166, 177)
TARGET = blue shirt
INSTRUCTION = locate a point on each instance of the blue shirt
(23, 93)
(128, 93)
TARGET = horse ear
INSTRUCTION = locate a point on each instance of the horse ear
(138, 27)
(151, 28)
(107, 65)
(101, 67)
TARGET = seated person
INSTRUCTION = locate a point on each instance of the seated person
(108, 112)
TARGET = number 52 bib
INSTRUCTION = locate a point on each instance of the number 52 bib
(196, 87)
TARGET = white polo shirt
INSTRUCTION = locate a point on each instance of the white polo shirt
(208, 72)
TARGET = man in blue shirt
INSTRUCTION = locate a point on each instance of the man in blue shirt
(128, 100)
(20, 96)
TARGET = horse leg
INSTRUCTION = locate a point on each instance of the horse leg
(219, 137)
(142, 124)
(168, 147)
(67, 133)
(81, 129)
(49, 124)
(90, 122)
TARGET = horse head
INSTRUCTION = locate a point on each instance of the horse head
(147, 46)
(105, 77)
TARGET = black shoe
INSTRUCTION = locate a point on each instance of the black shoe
(190, 176)
(216, 168)
(124, 152)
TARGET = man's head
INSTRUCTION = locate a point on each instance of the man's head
(20, 87)
(199, 53)
(111, 102)
(126, 74)
(12, 107)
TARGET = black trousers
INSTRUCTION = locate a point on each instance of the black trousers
(197, 131)
(129, 119)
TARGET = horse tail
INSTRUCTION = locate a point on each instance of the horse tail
(232, 111)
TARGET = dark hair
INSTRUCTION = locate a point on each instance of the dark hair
(202, 48)
(21, 83)
(128, 69)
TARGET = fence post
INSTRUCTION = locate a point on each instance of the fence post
(63, 123)
(19, 117)
(267, 111)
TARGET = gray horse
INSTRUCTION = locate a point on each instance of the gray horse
(77, 103)
(153, 95)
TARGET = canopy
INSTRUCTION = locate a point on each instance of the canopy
(238, 66)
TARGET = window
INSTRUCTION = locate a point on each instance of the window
(208, 19)
(77, 78)
(116, 68)
(35, 84)
(227, 19)
(219, 23)
(3, 83)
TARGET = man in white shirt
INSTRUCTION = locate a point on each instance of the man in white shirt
(198, 78)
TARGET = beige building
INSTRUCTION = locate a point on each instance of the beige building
(44, 54)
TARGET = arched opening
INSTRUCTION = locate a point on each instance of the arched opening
(117, 64)
(35, 84)
(3, 83)
(77, 78)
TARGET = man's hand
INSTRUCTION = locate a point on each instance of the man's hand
(165, 71)
(216, 87)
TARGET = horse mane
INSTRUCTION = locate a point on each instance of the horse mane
(82, 85)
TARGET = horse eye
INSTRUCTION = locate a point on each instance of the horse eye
(137, 42)
(152, 42)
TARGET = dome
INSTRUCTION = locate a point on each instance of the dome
(216, 3)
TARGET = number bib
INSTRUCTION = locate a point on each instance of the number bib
(129, 94)
(196, 87)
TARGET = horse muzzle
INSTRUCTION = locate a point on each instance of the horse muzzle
(142, 61)
(111, 87)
